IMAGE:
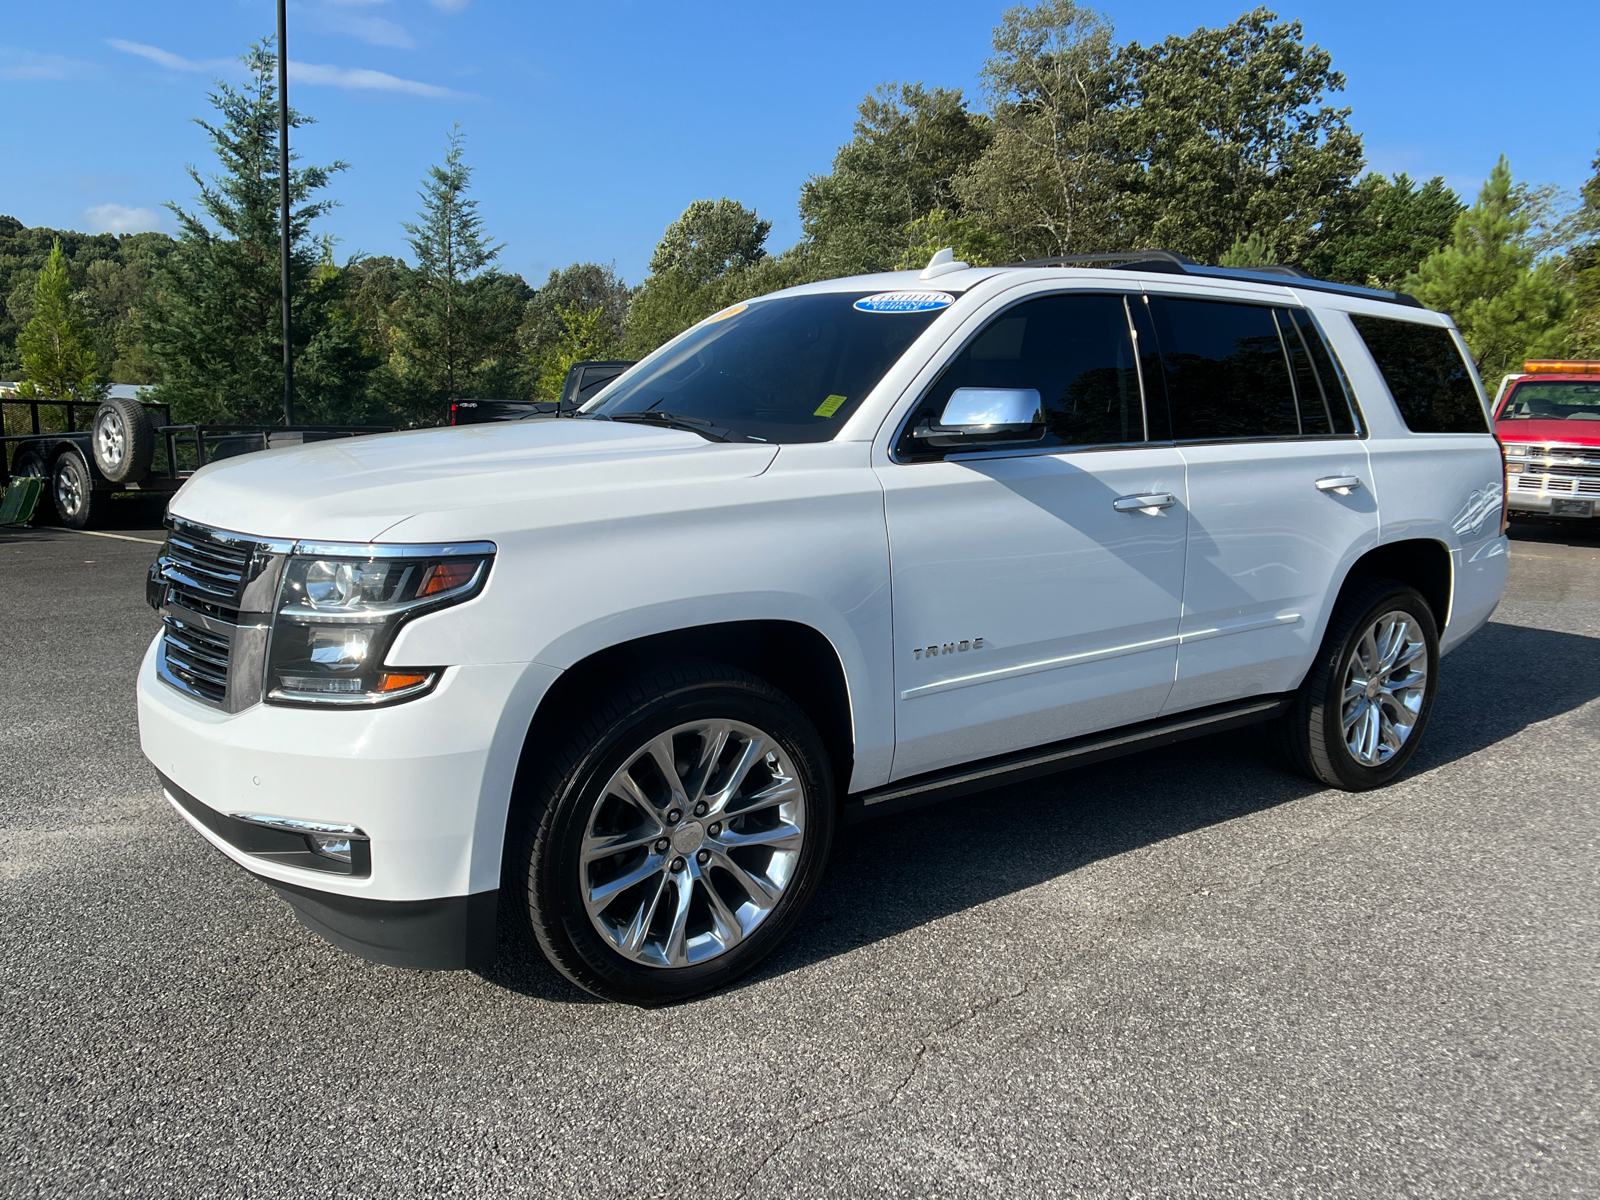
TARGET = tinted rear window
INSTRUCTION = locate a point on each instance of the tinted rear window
(1226, 370)
(1429, 380)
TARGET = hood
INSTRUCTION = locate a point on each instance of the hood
(1573, 433)
(352, 489)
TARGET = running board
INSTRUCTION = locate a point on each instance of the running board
(1062, 756)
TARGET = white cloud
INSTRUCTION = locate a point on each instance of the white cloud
(375, 31)
(324, 74)
(165, 58)
(120, 218)
(16, 63)
(362, 79)
(450, 5)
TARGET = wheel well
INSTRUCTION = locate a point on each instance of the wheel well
(794, 658)
(1420, 562)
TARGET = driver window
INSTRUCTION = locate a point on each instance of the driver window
(1074, 349)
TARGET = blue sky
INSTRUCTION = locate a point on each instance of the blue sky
(592, 125)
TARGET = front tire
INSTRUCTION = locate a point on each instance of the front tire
(1359, 716)
(678, 836)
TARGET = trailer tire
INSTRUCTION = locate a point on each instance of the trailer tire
(72, 490)
(123, 440)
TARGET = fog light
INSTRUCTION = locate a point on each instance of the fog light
(332, 845)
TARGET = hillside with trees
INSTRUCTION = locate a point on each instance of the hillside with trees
(1226, 144)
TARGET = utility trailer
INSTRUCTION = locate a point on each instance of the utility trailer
(129, 446)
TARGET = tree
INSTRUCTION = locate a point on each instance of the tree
(1508, 303)
(1049, 182)
(1228, 136)
(57, 350)
(450, 323)
(586, 287)
(583, 334)
(212, 314)
(1584, 265)
(910, 144)
(715, 250)
(1388, 228)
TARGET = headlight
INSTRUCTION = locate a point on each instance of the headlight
(340, 608)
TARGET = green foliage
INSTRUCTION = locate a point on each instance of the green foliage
(456, 328)
(57, 350)
(1387, 228)
(109, 274)
(1229, 136)
(1050, 179)
(211, 316)
(583, 334)
(711, 256)
(910, 144)
(1252, 251)
(1508, 303)
(588, 287)
(972, 243)
(1585, 271)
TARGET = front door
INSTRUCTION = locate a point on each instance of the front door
(1029, 604)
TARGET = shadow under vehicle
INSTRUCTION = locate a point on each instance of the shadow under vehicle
(128, 447)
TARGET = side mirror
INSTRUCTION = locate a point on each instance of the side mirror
(973, 415)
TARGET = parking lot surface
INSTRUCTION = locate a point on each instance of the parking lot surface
(1185, 973)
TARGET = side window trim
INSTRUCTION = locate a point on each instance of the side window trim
(1303, 317)
(957, 454)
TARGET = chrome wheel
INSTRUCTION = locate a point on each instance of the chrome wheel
(692, 843)
(111, 438)
(1385, 682)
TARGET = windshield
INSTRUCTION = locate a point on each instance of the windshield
(791, 369)
(1553, 400)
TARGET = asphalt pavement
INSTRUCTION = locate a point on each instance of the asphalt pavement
(1185, 973)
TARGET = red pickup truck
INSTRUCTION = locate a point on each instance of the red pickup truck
(1548, 418)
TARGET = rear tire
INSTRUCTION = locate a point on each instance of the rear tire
(1359, 716)
(72, 490)
(716, 790)
(29, 463)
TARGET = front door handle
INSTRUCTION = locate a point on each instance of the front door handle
(1343, 484)
(1150, 504)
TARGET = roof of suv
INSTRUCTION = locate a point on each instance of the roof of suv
(1156, 264)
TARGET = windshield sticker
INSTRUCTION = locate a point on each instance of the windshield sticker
(726, 313)
(900, 302)
(829, 406)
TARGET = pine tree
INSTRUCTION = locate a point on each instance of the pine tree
(1508, 304)
(212, 317)
(1585, 266)
(56, 345)
(450, 324)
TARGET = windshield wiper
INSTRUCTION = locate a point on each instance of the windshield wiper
(654, 416)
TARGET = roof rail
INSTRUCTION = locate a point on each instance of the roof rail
(1169, 262)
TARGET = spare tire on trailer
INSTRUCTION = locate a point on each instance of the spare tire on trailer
(123, 439)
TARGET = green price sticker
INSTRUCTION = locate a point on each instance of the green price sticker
(829, 406)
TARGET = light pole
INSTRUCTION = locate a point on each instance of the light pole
(283, 216)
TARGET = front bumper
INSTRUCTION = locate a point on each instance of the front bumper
(1535, 504)
(428, 784)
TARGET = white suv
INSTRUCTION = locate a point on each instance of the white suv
(839, 550)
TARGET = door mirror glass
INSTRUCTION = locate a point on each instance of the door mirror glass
(984, 414)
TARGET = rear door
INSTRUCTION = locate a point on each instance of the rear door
(1028, 605)
(1279, 489)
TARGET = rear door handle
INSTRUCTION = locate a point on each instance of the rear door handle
(1343, 484)
(1150, 504)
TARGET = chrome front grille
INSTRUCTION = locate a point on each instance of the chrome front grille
(1553, 470)
(206, 567)
(196, 658)
(215, 591)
